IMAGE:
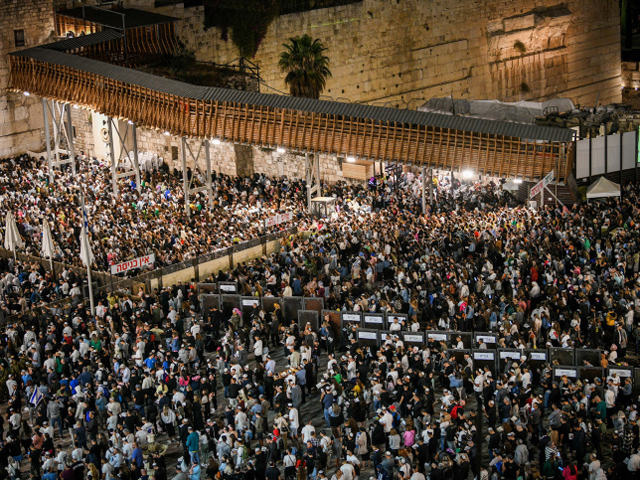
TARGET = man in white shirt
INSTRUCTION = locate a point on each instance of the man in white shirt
(293, 420)
(387, 420)
(307, 432)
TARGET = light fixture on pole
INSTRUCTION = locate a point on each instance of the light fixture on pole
(215, 141)
(167, 133)
(280, 149)
(517, 180)
(351, 159)
(467, 174)
(26, 94)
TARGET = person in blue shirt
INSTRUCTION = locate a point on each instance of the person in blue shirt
(194, 472)
(50, 474)
(150, 362)
(136, 455)
(193, 444)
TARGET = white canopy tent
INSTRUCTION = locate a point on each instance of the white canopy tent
(603, 188)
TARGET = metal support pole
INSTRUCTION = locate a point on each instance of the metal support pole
(47, 136)
(136, 165)
(424, 193)
(635, 158)
(309, 179)
(114, 164)
(86, 246)
(207, 156)
(431, 186)
(590, 156)
(621, 142)
(72, 148)
(185, 180)
(316, 161)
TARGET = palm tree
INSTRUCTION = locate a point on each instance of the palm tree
(306, 66)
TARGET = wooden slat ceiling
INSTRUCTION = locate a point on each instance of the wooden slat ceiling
(294, 129)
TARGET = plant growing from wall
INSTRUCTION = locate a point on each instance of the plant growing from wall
(520, 46)
(247, 20)
(306, 65)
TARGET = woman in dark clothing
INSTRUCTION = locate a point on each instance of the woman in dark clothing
(198, 420)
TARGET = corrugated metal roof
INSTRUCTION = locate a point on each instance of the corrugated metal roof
(83, 41)
(133, 18)
(355, 110)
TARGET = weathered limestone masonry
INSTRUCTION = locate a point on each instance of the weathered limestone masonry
(21, 123)
(405, 51)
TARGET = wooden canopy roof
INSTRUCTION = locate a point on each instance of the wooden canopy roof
(378, 133)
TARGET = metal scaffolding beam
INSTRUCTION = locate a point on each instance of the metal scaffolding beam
(203, 151)
(312, 174)
(121, 154)
(60, 116)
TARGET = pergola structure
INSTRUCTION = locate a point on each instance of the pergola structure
(305, 126)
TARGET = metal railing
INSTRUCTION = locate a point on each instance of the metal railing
(106, 282)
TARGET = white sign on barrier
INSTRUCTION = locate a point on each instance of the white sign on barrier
(368, 335)
(227, 288)
(438, 337)
(568, 372)
(285, 217)
(271, 221)
(135, 263)
(538, 356)
(486, 339)
(622, 373)
(372, 319)
(350, 317)
(483, 356)
(413, 338)
(248, 302)
(514, 355)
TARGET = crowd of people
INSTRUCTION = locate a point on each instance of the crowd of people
(257, 396)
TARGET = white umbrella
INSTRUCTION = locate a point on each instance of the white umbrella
(12, 238)
(48, 249)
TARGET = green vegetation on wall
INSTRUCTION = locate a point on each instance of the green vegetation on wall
(244, 21)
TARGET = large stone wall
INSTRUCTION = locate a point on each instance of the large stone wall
(21, 120)
(406, 51)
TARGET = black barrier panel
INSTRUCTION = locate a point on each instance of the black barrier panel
(313, 303)
(636, 382)
(400, 316)
(210, 300)
(335, 320)
(412, 339)
(228, 303)
(536, 358)
(622, 373)
(382, 337)
(485, 358)
(458, 355)
(368, 336)
(310, 317)
(589, 355)
(434, 337)
(228, 287)
(489, 339)
(268, 303)
(562, 356)
(351, 318)
(374, 321)
(572, 373)
(292, 305)
(206, 288)
(504, 355)
(465, 337)
(248, 303)
(589, 373)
